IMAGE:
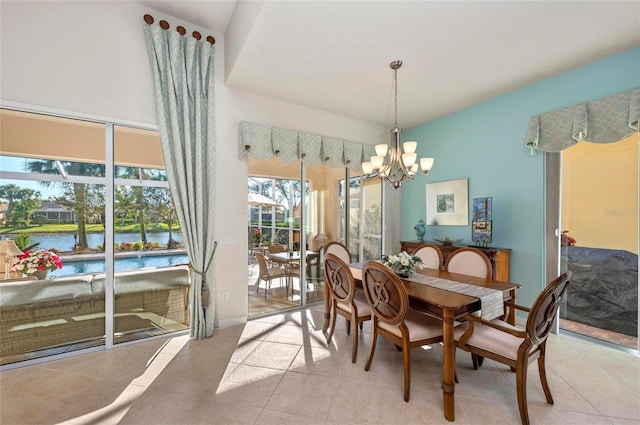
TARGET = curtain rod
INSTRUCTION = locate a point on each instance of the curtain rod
(165, 26)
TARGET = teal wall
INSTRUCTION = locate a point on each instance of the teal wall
(485, 143)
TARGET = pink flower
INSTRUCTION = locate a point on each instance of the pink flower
(30, 262)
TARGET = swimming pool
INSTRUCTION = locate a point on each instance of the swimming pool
(72, 267)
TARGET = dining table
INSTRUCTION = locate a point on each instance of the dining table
(448, 306)
(290, 260)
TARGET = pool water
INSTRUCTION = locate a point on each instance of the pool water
(66, 241)
(70, 268)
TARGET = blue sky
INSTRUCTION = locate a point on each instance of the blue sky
(8, 163)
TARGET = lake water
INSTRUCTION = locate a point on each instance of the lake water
(66, 241)
(138, 262)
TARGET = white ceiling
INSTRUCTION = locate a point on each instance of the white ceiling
(335, 55)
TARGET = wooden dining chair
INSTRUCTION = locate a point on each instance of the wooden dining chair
(342, 252)
(514, 347)
(393, 319)
(347, 300)
(430, 255)
(269, 273)
(469, 261)
(336, 248)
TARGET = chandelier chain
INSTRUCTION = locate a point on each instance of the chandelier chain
(395, 79)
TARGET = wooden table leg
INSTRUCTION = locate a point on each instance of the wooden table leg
(448, 366)
(511, 318)
(327, 307)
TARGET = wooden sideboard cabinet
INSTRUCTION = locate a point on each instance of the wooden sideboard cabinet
(499, 257)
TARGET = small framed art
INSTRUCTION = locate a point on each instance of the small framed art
(448, 203)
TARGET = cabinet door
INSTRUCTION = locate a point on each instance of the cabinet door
(501, 266)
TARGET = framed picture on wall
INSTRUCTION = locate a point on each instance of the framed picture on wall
(448, 203)
(482, 222)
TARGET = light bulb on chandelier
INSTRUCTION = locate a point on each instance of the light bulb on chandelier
(402, 163)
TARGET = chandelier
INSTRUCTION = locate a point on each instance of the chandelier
(399, 165)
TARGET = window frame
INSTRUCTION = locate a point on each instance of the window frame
(110, 183)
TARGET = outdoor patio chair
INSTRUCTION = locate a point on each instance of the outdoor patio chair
(269, 273)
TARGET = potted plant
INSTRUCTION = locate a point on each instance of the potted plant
(37, 263)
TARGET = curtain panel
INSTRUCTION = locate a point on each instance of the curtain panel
(183, 80)
(605, 120)
(262, 142)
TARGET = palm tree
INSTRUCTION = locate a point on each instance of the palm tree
(140, 202)
(79, 189)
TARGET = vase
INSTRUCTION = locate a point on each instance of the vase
(402, 273)
(420, 229)
(40, 274)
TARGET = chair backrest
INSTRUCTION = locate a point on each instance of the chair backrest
(278, 248)
(339, 279)
(469, 261)
(430, 255)
(336, 248)
(545, 308)
(385, 293)
(262, 263)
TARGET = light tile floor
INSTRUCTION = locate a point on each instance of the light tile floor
(280, 370)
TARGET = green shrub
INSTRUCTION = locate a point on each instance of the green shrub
(40, 220)
(22, 242)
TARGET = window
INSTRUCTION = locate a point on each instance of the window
(55, 194)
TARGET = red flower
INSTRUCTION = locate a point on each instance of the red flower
(41, 259)
(566, 240)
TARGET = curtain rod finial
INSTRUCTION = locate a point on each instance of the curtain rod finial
(181, 30)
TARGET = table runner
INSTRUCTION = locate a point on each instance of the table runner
(491, 300)
(492, 304)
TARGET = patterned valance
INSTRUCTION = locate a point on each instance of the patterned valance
(605, 120)
(263, 142)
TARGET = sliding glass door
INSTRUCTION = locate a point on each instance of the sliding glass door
(151, 269)
(287, 216)
(93, 194)
(599, 240)
(275, 194)
(361, 223)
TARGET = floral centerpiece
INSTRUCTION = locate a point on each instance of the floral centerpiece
(31, 262)
(402, 264)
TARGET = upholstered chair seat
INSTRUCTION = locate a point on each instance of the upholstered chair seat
(516, 347)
